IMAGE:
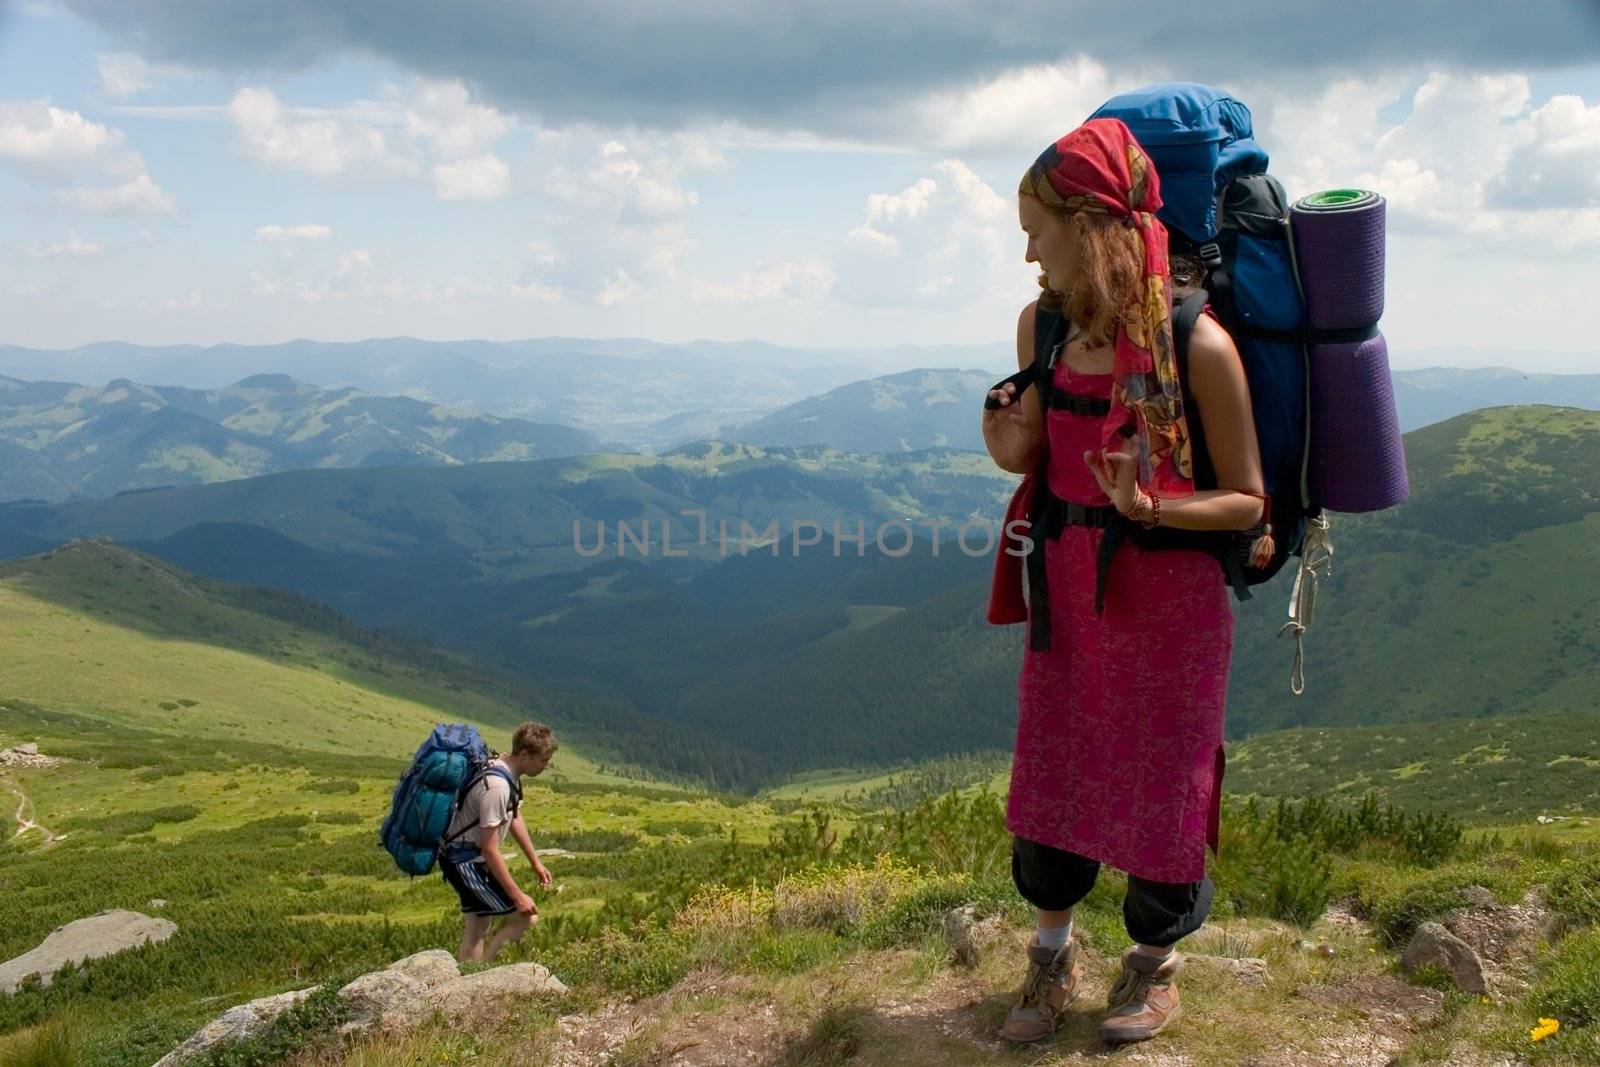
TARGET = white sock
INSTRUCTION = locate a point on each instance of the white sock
(1054, 937)
(1159, 954)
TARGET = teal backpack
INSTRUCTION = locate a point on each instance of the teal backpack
(452, 760)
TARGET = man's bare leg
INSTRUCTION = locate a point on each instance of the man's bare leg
(476, 928)
(516, 925)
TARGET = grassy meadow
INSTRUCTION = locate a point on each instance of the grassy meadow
(800, 927)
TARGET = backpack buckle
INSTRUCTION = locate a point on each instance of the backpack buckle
(1211, 252)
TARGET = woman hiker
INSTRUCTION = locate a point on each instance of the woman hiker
(1118, 756)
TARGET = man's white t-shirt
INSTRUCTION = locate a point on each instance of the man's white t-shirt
(487, 805)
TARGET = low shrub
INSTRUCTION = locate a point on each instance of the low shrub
(955, 833)
(335, 785)
(1574, 890)
(1568, 986)
(590, 840)
(315, 1019)
(128, 823)
(1259, 872)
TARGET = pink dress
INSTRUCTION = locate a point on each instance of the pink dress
(1119, 729)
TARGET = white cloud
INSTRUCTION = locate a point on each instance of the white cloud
(34, 290)
(354, 273)
(58, 146)
(428, 128)
(618, 288)
(890, 208)
(54, 143)
(136, 196)
(622, 220)
(443, 114)
(1474, 159)
(307, 232)
(947, 236)
(1017, 111)
(72, 248)
(124, 74)
(479, 179)
(190, 301)
(801, 279)
(1559, 165)
(324, 145)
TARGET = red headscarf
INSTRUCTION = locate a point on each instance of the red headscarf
(1099, 167)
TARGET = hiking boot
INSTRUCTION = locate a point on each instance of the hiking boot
(1144, 999)
(1050, 985)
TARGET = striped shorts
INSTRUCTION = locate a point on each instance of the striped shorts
(480, 894)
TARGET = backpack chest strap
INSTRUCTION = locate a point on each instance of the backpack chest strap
(1078, 404)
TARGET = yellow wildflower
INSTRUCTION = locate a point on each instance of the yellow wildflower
(1545, 1028)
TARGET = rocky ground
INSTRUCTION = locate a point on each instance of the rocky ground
(1257, 994)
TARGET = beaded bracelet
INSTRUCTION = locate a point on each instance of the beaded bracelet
(1143, 501)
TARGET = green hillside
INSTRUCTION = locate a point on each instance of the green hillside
(1470, 600)
(107, 635)
(1506, 767)
(1473, 598)
(509, 520)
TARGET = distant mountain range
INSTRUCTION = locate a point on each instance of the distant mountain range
(1474, 598)
(927, 408)
(59, 440)
(898, 412)
(499, 521)
(630, 393)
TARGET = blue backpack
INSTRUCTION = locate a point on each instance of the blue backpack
(1220, 201)
(452, 760)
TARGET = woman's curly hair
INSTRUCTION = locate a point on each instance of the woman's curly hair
(1108, 287)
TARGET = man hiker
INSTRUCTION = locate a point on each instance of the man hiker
(472, 862)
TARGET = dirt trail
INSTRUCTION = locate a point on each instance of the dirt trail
(712, 1019)
(24, 820)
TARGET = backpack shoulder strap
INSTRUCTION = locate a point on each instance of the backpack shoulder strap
(1184, 316)
(501, 771)
(1046, 350)
(496, 770)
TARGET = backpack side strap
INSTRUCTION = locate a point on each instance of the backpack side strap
(482, 776)
(1022, 380)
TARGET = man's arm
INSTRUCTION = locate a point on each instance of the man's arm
(489, 845)
(519, 830)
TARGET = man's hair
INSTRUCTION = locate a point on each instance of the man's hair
(534, 737)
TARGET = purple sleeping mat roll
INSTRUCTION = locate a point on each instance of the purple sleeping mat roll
(1358, 462)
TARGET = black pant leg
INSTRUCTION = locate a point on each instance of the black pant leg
(1050, 879)
(1162, 913)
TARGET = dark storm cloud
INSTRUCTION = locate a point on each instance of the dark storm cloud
(823, 64)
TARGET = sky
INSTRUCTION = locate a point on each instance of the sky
(812, 174)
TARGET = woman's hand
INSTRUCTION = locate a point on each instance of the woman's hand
(1117, 474)
(1010, 402)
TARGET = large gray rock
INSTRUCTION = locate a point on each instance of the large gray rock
(472, 993)
(102, 934)
(401, 996)
(27, 755)
(1506, 937)
(235, 1024)
(392, 997)
(406, 994)
(1432, 943)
